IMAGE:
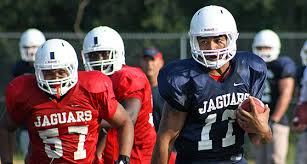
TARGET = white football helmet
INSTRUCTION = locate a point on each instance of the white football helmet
(213, 21)
(267, 38)
(304, 53)
(29, 42)
(56, 54)
(104, 38)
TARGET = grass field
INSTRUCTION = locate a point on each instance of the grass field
(290, 158)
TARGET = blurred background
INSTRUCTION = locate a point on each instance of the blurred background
(162, 23)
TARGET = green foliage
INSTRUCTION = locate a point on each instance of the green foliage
(148, 15)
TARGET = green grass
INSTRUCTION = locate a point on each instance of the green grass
(18, 158)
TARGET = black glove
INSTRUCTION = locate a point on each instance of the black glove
(123, 159)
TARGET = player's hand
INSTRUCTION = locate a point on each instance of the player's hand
(123, 159)
(253, 121)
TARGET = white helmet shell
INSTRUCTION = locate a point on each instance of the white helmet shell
(56, 54)
(267, 38)
(104, 38)
(30, 38)
(304, 53)
(213, 21)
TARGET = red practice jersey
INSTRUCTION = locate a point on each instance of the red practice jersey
(131, 82)
(64, 131)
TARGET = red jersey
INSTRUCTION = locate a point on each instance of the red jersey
(131, 82)
(64, 131)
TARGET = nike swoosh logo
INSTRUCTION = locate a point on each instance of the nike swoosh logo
(237, 84)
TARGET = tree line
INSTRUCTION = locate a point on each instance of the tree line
(147, 15)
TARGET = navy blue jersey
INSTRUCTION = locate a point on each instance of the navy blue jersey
(299, 75)
(283, 67)
(210, 130)
(22, 67)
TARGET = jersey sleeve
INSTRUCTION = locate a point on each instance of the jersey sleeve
(103, 97)
(288, 67)
(258, 75)
(172, 87)
(128, 85)
(303, 91)
(15, 101)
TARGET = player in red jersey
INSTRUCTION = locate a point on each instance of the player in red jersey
(62, 109)
(103, 49)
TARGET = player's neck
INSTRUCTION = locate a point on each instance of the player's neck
(29, 63)
(221, 71)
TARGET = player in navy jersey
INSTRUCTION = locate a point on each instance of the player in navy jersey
(301, 148)
(62, 109)
(29, 42)
(202, 95)
(277, 94)
(300, 69)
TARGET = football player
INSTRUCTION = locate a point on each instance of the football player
(29, 42)
(278, 90)
(202, 95)
(62, 109)
(301, 148)
(103, 50)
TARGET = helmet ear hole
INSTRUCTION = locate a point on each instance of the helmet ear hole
(104, 38)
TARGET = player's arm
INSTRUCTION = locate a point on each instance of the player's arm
(257, 123)
(170, 126)
(132, 106)
(296, 124)
(7, 138)
(121, 120)
(101, 143)
(285, 87)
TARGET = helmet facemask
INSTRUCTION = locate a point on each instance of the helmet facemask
(221, 56)
(28, 53)
(57, 87)
(267, 55)
(105, 61)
